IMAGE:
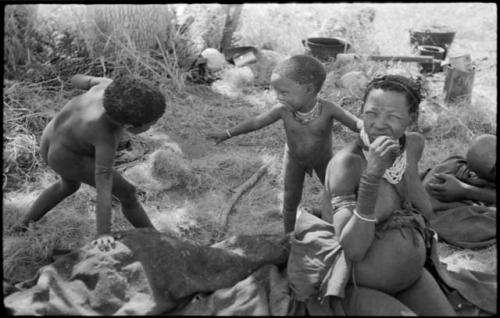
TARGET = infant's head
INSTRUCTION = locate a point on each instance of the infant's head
(482, 156)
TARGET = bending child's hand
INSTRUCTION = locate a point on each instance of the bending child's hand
(217, 137)
(381, 155)
(104, 242)
(449, 189)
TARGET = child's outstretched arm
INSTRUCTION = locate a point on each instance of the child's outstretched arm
(86, 81)
(346, 118)
(104, 156)
(252, 124)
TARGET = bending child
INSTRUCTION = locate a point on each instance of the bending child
(80, 142)
(308, 126)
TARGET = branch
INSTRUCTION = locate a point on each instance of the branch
(238, 192)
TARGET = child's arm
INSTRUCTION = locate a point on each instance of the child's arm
(104, 156)
(252, 124)
(346, 118)
(86, 81)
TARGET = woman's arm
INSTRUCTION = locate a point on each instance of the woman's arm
(342, 178)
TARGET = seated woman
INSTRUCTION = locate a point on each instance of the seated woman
(375, 200)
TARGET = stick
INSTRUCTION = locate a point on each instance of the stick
(238, 192)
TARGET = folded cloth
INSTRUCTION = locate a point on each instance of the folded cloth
(317, 266)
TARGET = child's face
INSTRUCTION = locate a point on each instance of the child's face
(291, 93)
(139, 129)
(386, 113)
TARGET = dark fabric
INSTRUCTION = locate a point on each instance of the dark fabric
(263, 293)
(468, 224)
(147, 273)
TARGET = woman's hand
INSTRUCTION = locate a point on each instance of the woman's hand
(104, 242)
(381, 155)
(449, 189)
(218, 137)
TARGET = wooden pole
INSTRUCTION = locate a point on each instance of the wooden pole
(458, 84)
(233, 12)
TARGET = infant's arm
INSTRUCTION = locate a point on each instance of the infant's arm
(346, 118)
(486, 194)
(86, 81)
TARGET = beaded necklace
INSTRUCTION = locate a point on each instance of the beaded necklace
(393, 174)
(305, 118)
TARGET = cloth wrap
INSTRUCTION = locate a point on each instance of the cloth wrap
(317, 266)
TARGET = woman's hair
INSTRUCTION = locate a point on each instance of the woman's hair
(130, 100)
(398, 83)
(303, 69)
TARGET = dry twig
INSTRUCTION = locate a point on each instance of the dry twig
(238, 192)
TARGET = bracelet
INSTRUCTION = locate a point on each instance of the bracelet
(363, 218)
(228, 133)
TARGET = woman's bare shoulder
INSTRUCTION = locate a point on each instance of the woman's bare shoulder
(344, 170)
(346, 164)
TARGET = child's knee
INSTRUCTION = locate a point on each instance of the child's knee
(69, 187)
(127, 194)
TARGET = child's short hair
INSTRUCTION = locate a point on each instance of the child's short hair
(303, 69)
(130, 100)
(398, 83)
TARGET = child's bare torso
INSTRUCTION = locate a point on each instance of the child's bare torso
(73, 129)
(312, 142)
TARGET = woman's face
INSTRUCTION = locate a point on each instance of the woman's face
(386, 113)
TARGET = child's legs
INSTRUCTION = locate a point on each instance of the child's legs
(425, 297)
(49, 198)
(320, 170)
(58, 191)
(362, 301)
(294, 179)
(131, 207)
(122, 189)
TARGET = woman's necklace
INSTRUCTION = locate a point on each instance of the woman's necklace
(393, 174)
(305, 118)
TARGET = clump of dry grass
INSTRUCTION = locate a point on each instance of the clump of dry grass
(234, 81)
(25, 253)
(168, 166)
(27, 110)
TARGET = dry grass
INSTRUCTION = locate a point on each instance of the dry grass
(204, 174)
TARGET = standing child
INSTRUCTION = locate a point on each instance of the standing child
(80, 142)
(308, 126)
